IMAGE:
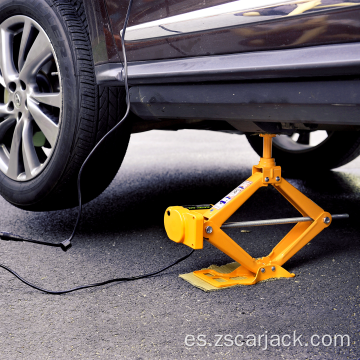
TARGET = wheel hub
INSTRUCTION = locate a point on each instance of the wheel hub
(17, 100)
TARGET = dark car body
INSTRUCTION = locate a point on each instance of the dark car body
(259, 65)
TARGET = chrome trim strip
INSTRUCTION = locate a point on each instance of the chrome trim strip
(227, 15)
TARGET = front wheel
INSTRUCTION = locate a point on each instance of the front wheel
(311, 151)
(52, 113)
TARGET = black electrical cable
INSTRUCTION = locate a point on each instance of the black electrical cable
(66, 244)
(95, 284)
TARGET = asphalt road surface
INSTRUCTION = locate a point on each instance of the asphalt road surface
(164, 317)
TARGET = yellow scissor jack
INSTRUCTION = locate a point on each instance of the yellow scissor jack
(190, 227)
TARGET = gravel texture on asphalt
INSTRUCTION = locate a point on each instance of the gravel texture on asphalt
(121, 234)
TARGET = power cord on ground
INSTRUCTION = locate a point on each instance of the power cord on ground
(95, 284)
(66, 244)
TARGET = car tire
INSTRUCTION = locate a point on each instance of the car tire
(52, 113)
(337, 149)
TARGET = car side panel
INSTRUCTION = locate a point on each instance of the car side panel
(174, 29)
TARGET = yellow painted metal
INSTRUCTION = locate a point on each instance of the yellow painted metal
(219, 216)
(267, 145)
(190, 226)
(184, 226)
(242, 276)
(224, 243)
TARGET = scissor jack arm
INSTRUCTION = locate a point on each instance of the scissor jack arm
(302, 232)
(192, 226)
(228, 246)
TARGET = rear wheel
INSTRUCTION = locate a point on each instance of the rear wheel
(52, 113)
(309, 151)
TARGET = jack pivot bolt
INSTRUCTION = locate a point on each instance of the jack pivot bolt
(266, 179)
(273, 268)
(326, 220)
(208, 229)
(278, 178)
(262, 270)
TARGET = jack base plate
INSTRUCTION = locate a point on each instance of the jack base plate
(242, 276)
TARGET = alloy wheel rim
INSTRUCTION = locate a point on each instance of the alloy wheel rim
(30, 98)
